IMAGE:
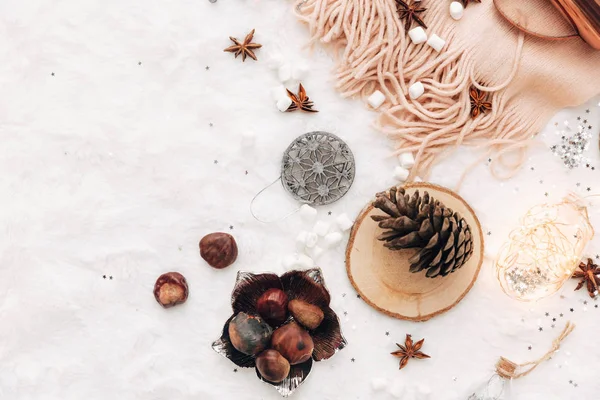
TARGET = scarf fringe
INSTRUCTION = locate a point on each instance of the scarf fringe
(373, 52)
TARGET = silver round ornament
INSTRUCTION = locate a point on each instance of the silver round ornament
(317, 168)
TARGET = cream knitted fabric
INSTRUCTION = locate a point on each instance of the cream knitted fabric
(528, 79)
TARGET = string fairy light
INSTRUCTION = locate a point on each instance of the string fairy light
(542, 254)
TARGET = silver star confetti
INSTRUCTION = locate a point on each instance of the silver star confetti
(572, 147)
(525, 282)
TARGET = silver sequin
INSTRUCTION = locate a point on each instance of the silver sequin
(572, 147)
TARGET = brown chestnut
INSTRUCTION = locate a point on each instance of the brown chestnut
(272, 366)
(218, 249)
(308, 315)
(293, 342)
(272, 305)
(249, 334)
(171, 289)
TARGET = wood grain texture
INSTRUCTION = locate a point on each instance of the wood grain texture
(585, 16)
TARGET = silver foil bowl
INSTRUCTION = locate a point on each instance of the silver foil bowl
(306, 285)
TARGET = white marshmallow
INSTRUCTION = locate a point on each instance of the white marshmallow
(332, 239)
(456, 10)
(321, 228)
(401, 174)
(248, 138)
(417, 35)
(296, 260)
(300, 71)
(406, 160)
(278, 92)
(378, 384)
(274, 60)
(308, 213)
(416, 90)
(376, 99)
(344, 222)
(311, 239)
(301, 240)
(285, 72)
(436, 42)
(284, 103)
(423, 392)
(304, 261)
(317, 252)
(397, 390)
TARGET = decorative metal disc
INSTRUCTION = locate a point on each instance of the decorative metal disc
(317, 168)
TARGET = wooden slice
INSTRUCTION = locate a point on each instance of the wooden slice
(541, 18)
(382, 278)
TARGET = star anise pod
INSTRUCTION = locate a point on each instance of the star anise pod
(589, 277)
(466, 2)
(478, 102)
(245, 49)
(300, 101)
(409, 350)
(409, 13)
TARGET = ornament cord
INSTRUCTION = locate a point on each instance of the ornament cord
(276, 219)
(508, 369)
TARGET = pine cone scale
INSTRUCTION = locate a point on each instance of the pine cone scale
(406, 242)
(433, 242)
(386, 205)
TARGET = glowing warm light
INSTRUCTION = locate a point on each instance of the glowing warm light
(542, 254)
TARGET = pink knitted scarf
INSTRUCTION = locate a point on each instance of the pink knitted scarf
(527, 79)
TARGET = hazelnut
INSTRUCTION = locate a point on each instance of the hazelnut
(308, 315)
(218, 249)
(272, 366)
(171, 289)
(293, 342)
(272, 305)
(249, 334)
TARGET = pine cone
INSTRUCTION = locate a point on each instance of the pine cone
(443, 236)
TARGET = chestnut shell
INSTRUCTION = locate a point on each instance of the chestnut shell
(249, 334)
(218, 249)
(272, 366)
(293, 342)
(272, 305)
(171, 289)
(308, 315)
